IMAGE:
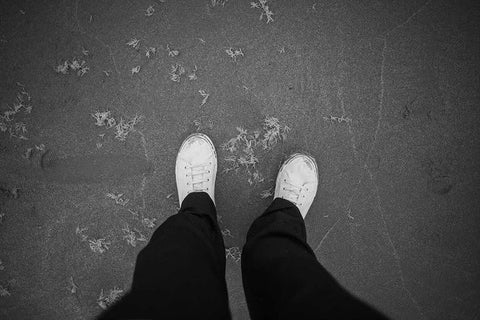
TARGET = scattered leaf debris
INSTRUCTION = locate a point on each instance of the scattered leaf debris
(80, 232)
(149, 222)
(132, 237)
(176, 71)
(118, 198)
(193, 75)
(135, 70)
(124, 127)
(226, 233)
(234, 253)
(4, 291)
(72, 286)
(172, 52)
(9, 121)
(134, 43)
(266, 193)
(149, 11)
(243, 148)
(262, 4)
(107, 299)
(234, 53)
(205, 96)
(99, 245)
(341, 119)
(76, 65)
(150, 51)
(216, 3)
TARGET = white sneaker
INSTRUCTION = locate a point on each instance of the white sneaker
(297, 181)
(196, 166)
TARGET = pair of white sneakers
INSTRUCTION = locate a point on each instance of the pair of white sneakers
(196, 170)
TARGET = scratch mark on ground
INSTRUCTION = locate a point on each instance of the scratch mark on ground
(349, 125)
(144, 144)
(381, 99)
(377, 129)
(366, 168)
(82, 31)
(413, 15)
(326, 234)
(142, 189)
(398, 261)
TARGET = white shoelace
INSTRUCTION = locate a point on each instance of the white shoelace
(198, 170)
(292, 193)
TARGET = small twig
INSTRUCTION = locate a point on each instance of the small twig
(134, 43)
(73, 287)
(171, 52)
(205, 96)
(149, 11)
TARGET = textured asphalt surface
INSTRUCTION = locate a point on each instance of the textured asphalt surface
(385, 95)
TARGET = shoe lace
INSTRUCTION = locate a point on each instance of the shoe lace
(292, 192)
(197, 172)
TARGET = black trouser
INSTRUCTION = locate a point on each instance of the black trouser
(180, 274)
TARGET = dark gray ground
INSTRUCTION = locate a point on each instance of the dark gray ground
(396, 216)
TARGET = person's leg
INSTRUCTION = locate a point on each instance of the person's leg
(282, 278)
(180, 274)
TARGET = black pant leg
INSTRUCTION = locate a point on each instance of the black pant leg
(282, 278)
(180, 274)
